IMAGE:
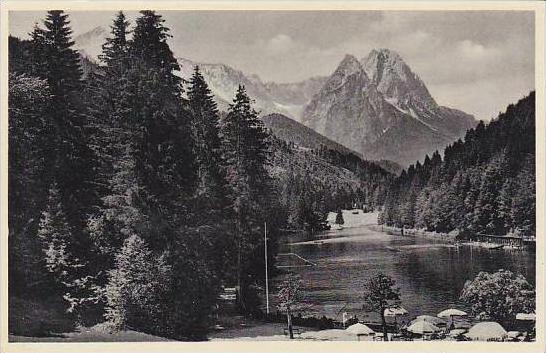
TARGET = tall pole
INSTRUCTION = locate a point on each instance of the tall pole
(266, 276)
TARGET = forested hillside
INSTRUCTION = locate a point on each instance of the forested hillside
(133, 200)
(313, 182)
(129, 202)
(316, 175)
(484, 184)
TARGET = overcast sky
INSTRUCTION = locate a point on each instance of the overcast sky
(474, 61)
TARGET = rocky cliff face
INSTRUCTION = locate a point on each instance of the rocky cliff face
(378, 107)
(269, 97)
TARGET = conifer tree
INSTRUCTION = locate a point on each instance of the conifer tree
(137, 287)
(486, 217)
(71, 163)
(153, 186)
(164, 152)
(115, 49)
(211, 207)
(61, 62)
(108, 101)
(523, 212)
(246, 151)
(205, 129)
(28, 175)
(70, 271)
(123, 208)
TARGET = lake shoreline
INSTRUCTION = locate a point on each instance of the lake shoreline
(449, 238)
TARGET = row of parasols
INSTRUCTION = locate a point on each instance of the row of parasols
(426, 325)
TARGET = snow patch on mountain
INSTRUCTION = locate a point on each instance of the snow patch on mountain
(270, 97)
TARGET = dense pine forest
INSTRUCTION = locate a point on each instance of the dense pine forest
(129, 199)
(482, 185)
(133, 199)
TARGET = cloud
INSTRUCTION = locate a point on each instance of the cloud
(280, 44)
(475, 51)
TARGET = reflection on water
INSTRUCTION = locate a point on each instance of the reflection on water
(430, 275)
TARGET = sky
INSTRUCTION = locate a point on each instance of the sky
(476, 61)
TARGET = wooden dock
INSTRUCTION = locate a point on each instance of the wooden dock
(506, 240)
(306, 263)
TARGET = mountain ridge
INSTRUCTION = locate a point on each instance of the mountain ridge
(269, 97)
(380, 108)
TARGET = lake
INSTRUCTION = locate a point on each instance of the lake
(430, 274)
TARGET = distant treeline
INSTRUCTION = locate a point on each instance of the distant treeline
(483, 185)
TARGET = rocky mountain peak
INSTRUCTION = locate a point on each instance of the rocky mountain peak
(349, 65)
(380, 60)
(396, 81)
(348, 75)
(380, 108)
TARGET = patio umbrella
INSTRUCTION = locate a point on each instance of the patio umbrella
(428, 318)
(451, 312)
(457, 332)
(487, 330)
(513, 334)
(526, 317)
(360, 329)
(395, 311)
(422, 327)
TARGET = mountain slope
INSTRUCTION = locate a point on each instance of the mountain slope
(285, 98)
(89, 43)
(380, 108)
(293, 132)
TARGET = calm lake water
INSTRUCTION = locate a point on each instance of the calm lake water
(430, 274)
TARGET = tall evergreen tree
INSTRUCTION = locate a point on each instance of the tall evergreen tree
(164, 154)
(153, 186)
(246, 151)
(115, 49)
(70, 271)
(210, 203)
(205, 129)
(523, 212)
(28, 173)
(123, 207)
(72, 164)
(486, 217)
